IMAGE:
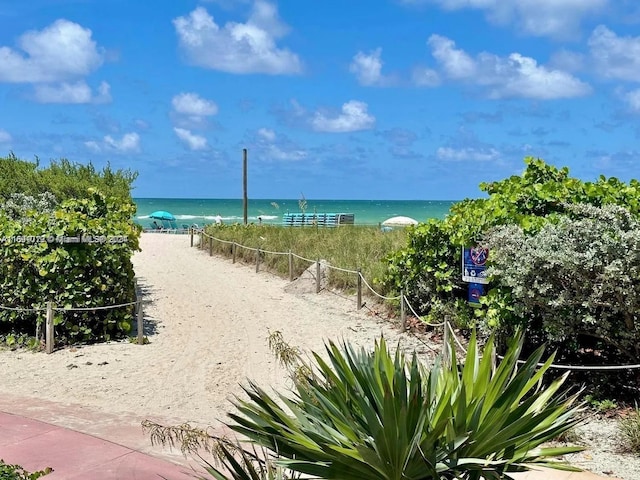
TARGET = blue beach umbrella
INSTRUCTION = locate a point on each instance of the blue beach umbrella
(162, 215)
(168, 220)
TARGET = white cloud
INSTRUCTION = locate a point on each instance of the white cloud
(5, 137)
(64, 50)
(271, 147)
(468, 154)
(368, 69)
(77, 92)
(614, 56)
(633, 100)
(237, 47)
(505, 77)
(193, 141)
(353, 117)
(129, 143)
(554, 18)
(276, 152)
(267, 134)
(193, 105)
(456, 63)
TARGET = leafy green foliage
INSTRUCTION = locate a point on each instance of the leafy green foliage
(577, 289)
(428, 267)
(578, 285)
(37, 265)
(63, 179)
(374, 415)
(16, 472)
(601, 405)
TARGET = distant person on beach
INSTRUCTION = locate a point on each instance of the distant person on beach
(156, 226)
(259, 220)
(218, 219)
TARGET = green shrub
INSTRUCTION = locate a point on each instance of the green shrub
(601, 405)
(573, 283)
(16, 472)
(428, 268)
(374, 415)
(36, 267)
(62, 179)
(583, 302)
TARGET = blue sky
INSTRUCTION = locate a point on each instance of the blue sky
(375, 99)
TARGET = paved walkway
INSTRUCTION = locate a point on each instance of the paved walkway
(111, 448)
(81, 443)
(74, 456)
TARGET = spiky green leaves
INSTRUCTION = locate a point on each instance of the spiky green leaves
(376, 415)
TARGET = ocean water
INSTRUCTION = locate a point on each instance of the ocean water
(204, 211)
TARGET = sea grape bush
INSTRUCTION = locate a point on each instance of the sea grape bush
(426, 269)
(539, 200)
(62, 179)
(37, 265)
(578, 284)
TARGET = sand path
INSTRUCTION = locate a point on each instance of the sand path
(209, 320)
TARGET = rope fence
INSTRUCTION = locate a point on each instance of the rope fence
(50, 309)
(404, 302)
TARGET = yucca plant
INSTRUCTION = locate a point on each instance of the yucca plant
(375, 415)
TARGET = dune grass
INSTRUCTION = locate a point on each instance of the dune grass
(347, 247)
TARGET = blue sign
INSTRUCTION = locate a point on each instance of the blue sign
(474, 266)
(476, 290)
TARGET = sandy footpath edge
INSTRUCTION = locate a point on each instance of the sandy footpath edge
(208, 321)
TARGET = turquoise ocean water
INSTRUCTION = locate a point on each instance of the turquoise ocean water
(367, 212)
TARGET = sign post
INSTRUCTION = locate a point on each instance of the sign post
(474, 266)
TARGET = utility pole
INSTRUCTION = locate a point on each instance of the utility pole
(245, 201)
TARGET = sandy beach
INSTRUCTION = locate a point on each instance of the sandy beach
(207, 321)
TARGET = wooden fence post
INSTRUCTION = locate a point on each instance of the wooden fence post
(233, 252)
(290, 266)
(210, 246)
(403, 312)
(318, 276)
(359, 297)
(191, 234)
(49, 333)
(140, 319)
(257, 260)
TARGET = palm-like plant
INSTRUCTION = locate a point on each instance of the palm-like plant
(372, 415)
